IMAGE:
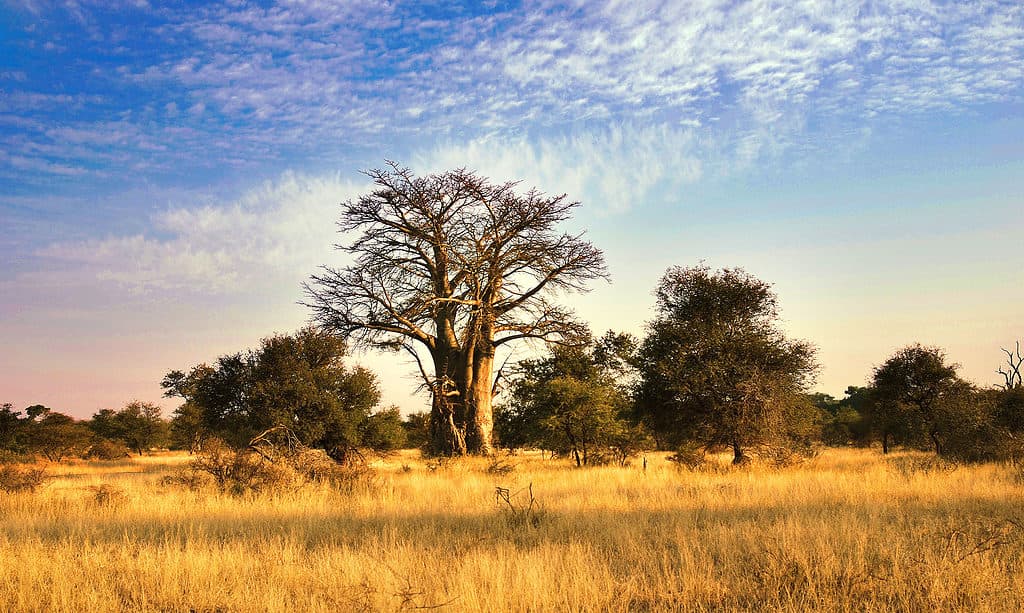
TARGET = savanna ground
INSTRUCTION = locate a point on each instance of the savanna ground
(850, 531)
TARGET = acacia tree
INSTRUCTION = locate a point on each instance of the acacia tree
(909, 388)
(716, 370)
(575, 402)
(454, 266)
(299, 381)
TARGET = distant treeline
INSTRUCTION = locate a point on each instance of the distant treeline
(713, 373)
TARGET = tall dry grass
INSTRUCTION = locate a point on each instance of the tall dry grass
(852, 531)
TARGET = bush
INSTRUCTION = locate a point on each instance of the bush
(689, 457)
(21, 479)
(314, 466)
(107, 495)
(268, 469)
(786, 456)
(107, 450)
(186, 478)
(240, 472)
(909, 466)
(500, 466)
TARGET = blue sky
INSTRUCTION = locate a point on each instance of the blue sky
(170, 173)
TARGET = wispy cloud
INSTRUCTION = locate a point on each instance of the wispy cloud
(298, 81)
(278, 233)
(611, 170)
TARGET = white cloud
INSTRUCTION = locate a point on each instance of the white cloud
(302, 80)
(610, 169)
(278, 233)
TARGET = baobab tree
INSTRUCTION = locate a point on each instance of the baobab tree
(449, 267)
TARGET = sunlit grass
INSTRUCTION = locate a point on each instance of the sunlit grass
(850, 531)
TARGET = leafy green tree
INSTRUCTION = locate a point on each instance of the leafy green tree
(1009, 408)
(299, 381)
(574, 402)
(139, 425)
(186, 428)
(10, 428)
(845, 420)
(384, 431)
(716, 370)
(908, 391)
(104, 424)
(55, 435)
(969, 426)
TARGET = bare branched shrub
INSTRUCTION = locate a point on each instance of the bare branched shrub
(526, 512)
(107, 495)
(8, 456)
(270, 464)
(963, 544)
(440, 463)
(21, 479)
(186, 478)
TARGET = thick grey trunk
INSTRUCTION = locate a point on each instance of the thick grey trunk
(479, 410)
(447, 411)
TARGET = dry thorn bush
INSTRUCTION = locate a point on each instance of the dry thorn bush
(107, 451)
(500, 466)
(268, 470)
(909, 466)
(21, 479)
(107, 495)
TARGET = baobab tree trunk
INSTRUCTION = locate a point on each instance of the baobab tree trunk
(462, 416)
(479, 411)
(446, 437)
(448, 411)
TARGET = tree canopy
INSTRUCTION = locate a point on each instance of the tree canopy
(716, 369)
(909, 388)
(449, 267)
(575, 402)
(299, 381)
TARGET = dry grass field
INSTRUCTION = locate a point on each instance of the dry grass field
(851, 531)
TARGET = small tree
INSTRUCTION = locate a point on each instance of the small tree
(55, 435)
(845, 419)
(970, 428)
(141, 426)
(11, 424)
(715, 368)
(298, 381)
(383, 430)
(186, 428)
(573, 402)
(908, 389)
(417, 429)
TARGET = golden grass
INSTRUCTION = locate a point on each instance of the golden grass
(850, 532)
